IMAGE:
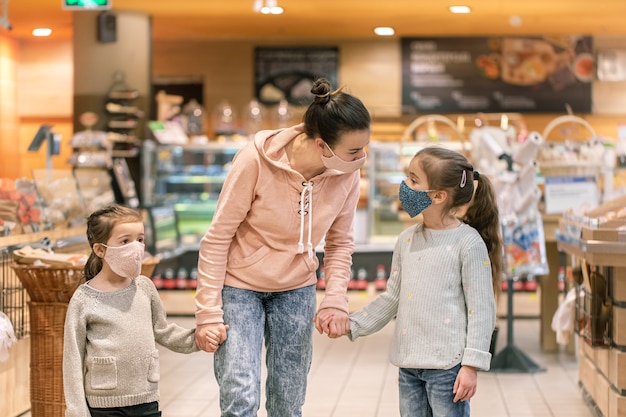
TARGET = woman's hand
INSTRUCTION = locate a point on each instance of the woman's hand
(209, 337)
(334, 322)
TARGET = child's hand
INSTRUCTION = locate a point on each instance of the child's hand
(210, 337)
(213, 339)
(465, 384)
(335, 323)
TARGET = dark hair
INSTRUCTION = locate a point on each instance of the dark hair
(99, 227)
(333, 113)
(447, 170)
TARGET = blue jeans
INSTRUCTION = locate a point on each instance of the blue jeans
(428, 393)
(284, 319)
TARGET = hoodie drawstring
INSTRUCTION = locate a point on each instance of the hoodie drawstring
(307, 191)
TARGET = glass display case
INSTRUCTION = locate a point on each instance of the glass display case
(188, 178)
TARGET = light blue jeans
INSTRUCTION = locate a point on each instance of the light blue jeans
(284, 319)
(428, 393)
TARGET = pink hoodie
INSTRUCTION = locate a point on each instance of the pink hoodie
(259, 241)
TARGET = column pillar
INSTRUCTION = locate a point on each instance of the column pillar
(98, 58)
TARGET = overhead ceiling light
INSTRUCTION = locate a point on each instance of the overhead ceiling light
(267, 7)
(515, 21)
(459, 9)
(42, 32)
(384, 31)
(272, 10)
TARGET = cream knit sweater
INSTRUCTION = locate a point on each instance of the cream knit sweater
(440, 289)
(110, 357)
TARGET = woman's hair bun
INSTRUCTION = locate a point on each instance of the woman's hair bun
(321, 90)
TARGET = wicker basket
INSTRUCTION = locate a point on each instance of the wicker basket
(51, 284)
(47, 321)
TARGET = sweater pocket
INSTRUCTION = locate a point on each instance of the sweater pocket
(103, 372)
(154, 371)
(241, 261)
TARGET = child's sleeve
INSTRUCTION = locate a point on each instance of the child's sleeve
(481, 310)
(170, 335)
(384, 308)
(74, 341)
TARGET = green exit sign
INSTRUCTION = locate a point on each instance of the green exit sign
(87, 4)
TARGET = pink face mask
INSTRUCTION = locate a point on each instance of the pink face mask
(335, 162)
(125, 260)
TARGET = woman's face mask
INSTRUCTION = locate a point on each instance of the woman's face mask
(414, 201)
(335, 162)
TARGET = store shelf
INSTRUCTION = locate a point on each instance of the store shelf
(596, 252)
(194, 179)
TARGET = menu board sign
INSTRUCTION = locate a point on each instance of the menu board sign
(289, 73)
(497, 74)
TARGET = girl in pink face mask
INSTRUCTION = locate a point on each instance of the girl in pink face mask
(113, 323)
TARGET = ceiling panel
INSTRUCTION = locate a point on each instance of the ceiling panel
(235, 19)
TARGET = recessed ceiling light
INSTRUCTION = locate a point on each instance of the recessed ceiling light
(384, 31)
(459, 9)
(272, 10)
(42, 32)
(515, 21)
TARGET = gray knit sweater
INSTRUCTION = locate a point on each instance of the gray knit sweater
(110, 357)
(440, 289)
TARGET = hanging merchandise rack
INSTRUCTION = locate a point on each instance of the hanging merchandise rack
(432, 135)
(579, 158)
(583, 155)
(522, 235)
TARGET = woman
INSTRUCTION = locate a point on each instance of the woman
(286, 191)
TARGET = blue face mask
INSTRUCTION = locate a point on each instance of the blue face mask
(414, 201)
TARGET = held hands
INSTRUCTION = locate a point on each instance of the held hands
(211, 336)
(335, 323)
(465, 384)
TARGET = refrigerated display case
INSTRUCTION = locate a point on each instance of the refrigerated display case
(189, 178)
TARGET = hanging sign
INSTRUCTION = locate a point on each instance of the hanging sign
(497, 74)
(289, 73)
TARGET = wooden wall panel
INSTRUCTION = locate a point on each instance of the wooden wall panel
(45, 74)
(9, 161)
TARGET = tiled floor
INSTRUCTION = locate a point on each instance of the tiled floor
(356, 379)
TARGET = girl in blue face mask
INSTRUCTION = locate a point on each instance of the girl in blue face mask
(441, 288)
